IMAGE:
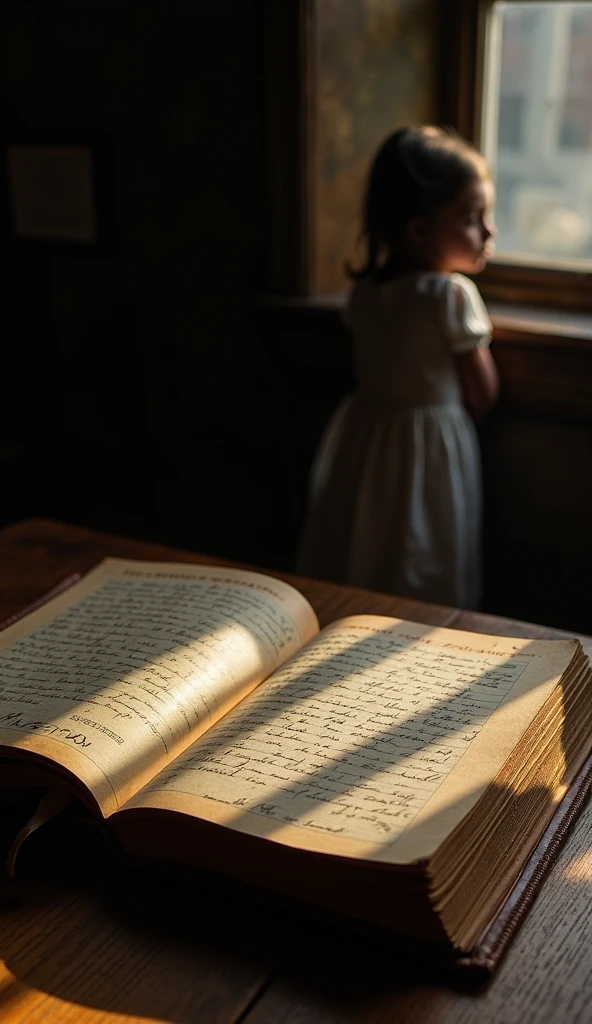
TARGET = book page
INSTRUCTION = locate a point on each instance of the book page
(373, 741)
(115, 677)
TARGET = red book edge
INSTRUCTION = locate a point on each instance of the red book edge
(48, 596)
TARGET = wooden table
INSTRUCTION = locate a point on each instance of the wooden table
(82, 944)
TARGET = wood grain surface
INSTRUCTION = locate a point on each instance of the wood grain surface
(85, 940)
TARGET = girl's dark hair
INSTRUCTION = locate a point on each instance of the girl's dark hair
(416, 171)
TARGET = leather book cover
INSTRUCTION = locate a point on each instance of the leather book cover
(47, 596)
(494, 940)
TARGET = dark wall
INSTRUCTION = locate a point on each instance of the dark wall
(138, 381)
(143, 394)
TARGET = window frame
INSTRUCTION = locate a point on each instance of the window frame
(463, 70)
(289, 99)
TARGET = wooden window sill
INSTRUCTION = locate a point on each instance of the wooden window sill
(544, 356)
(545, 325)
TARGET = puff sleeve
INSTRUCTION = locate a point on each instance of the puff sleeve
(466, 320)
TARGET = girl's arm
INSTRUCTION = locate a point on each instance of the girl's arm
(479, 381)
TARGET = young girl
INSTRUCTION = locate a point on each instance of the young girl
(395, 500)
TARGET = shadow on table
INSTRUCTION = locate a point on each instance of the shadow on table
(78, 926)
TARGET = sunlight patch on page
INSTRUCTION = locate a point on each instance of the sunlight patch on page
(351, 738)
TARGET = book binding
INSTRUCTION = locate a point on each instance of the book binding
(494, 940)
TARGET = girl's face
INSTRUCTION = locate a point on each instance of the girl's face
(459, 236)
(463, 232)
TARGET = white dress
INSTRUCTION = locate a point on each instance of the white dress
(395, 491)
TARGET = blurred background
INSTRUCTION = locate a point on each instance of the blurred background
(181, 187)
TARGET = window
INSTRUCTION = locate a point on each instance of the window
(515, 77)
(514, 68)
(576, 113)
(511, 123)
(538, 92)
(524, 76)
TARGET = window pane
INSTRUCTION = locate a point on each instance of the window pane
(537, 130)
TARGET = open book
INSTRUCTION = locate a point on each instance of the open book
(394, 772)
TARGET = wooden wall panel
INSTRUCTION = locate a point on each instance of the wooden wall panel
(546, 377)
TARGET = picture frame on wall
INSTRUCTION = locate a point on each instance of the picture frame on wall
(52, 193)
